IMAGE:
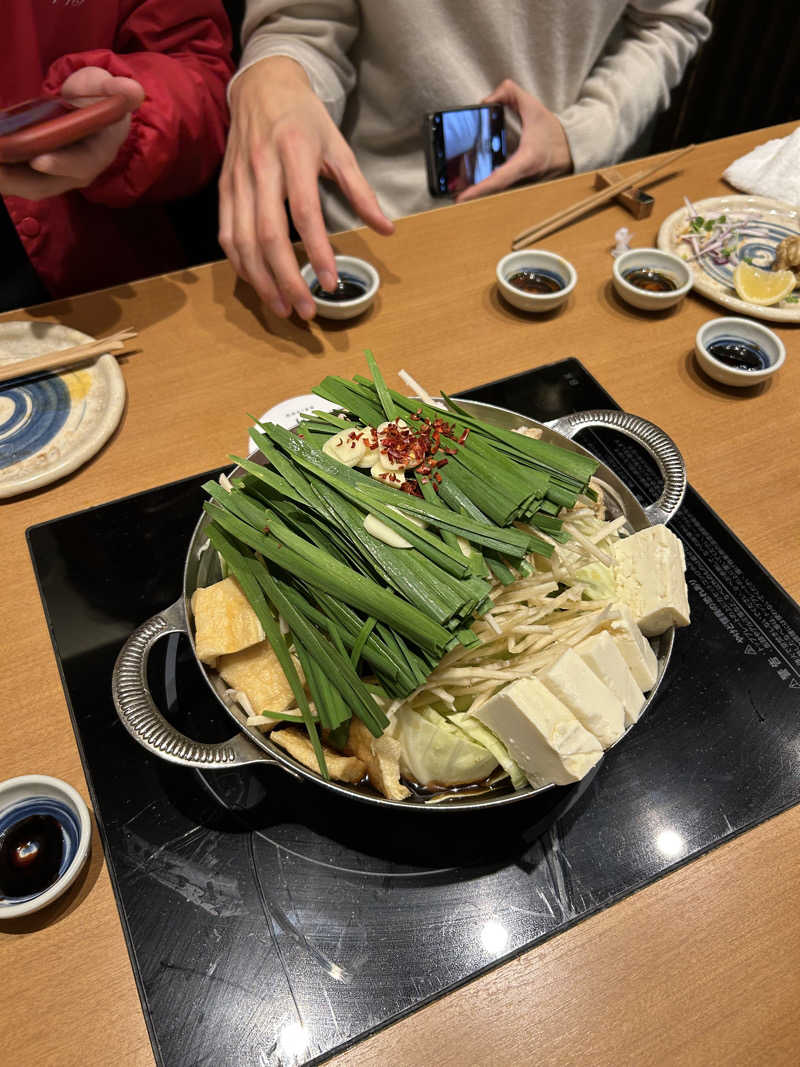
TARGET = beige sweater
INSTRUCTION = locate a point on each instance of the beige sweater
(605, 67)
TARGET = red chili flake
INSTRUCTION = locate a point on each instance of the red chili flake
(442, 463)
(425, 470)
(451, 451)
(464, 436)
(266, 529)
(437, 478)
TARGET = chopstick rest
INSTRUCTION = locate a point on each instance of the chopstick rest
(59, 359)
(574, 211)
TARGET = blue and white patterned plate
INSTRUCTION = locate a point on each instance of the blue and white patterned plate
(715, 281)
(51, 424)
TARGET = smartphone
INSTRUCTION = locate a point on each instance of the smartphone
(463, 146)
(34, 126)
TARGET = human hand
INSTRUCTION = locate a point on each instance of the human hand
(77, 165)
(543, 150)
(281, 142)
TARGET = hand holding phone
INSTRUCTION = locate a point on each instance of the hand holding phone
(49, 146)
(463, 146)
(543, 150)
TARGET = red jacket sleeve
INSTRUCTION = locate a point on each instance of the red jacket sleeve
(180, 52)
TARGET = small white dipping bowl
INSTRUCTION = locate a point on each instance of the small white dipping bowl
(38, 794)
(651, 259)
(742, 330)
(547, 263)
(345, 309)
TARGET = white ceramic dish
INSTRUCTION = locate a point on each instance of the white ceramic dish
(715, 281)
(651, 259)
(548, 263)
(346, 309)
(32, 794)
(741, 329)
(51, 424)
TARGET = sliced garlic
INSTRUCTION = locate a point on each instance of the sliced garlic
(464, 545)
(372, 455)
(348, 447)
(374, 526)
(392, 476)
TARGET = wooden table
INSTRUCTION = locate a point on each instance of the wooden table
(702, 966)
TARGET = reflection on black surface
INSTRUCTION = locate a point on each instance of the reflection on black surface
(270, 922)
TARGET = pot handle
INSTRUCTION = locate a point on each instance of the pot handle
(660, 446)
(145, 723)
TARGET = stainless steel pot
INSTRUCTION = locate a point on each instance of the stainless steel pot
(147, 725)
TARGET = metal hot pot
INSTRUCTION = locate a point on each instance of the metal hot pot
(144, 721)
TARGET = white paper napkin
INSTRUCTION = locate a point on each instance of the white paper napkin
(772, 169)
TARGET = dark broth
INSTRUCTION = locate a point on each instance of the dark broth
(535, 281)
(738, 353)
(31, 851)
(652, 281)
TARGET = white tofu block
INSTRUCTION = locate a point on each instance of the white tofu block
(635, 648)
(601, 654)
(540, 733)
(590, 701)
(649, 571)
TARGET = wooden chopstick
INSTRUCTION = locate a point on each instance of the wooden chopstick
(574, 211)
(66, 357)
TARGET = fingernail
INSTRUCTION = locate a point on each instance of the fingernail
(306, 310)
(328, 281)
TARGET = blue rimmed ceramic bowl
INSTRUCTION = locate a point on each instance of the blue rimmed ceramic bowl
(548, 266)
(352, 270)
(38, 794)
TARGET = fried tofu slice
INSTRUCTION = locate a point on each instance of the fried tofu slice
(224, 622)
(298, 744)
(256, 672)
(382, 757)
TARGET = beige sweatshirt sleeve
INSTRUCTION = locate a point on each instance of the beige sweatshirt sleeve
(631, 81)
(317, 35)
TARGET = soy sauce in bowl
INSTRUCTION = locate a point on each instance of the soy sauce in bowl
(529, 280)
(738, 353)
(31, 855)
(650, 280)
(347, 288)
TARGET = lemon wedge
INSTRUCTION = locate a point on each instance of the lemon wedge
(762, 286)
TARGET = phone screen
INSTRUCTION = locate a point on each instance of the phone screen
(31, 112)
(472, 142)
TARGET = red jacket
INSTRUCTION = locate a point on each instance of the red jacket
(179, 50)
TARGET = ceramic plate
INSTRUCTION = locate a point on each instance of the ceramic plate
(716, 281)
(51, 424)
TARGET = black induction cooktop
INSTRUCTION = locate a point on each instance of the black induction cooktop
(271, 923)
